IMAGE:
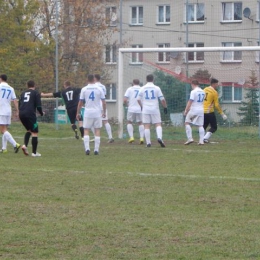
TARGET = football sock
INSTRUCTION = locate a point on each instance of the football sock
(9, 138)
(86, 142)
(81, 129)
(34, 144)
(130, 130)
(4, 142)
(147, 135)
(207, 135)
(159, 132)
(188, 132)
(109, 131)
(74, 127)
(141, 131)
(27, 138)
(97, 143)
(201, 133)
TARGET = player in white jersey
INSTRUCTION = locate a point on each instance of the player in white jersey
(104, 120)
(91, 95)
(148, 100)
(7, 95)
(134, 112)
(194, 112)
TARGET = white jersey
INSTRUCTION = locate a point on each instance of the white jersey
(132, 94)
(7, 94)
(100, 85)
(92, 96)
(197, 97)
(149, 95)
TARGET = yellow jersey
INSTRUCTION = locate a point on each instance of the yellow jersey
(211, 100)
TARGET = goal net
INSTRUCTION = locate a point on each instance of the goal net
(236, 68)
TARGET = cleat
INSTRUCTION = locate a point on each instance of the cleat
(76, 134)
(111, 140)
(131, 140)
(87, 152)
(141, 141)
(148, 145)
(17, 147)
(92, 140)
(24, 149)
(3, 151)
(160, 141)
(36, 155)
(96, 153)
(190, 141)
(200, 143)
(206, 141)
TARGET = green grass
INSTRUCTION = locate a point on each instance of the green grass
(130, 202)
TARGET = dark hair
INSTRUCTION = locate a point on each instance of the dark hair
(136, 82)
(3, 77)
(213, 81)
(195, 82)
(97, 76)
(90, 78)
(67, 83)
(30, 84)
(149, 78)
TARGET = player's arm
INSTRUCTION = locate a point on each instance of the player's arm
(46, 94)
(39, 104)
(104, 106)
(218, 107)
(16, 106)
(80, 104)
(125, 100)
(164, 104)
(187, 109)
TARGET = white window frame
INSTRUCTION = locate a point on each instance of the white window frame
(166, 55)
(110, 88)
(257, 12)
(112, 54)
(231, 19)
(233, 89)
(232, 54)
(139, 55)
(195, 13)
(195, 60)
(139, 20)
(164, 14)
(111, 15)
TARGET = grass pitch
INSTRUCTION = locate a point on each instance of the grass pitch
(132, 202)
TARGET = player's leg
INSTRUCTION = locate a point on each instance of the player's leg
(213, 126)
(147, 134)
(201, 134)
(28, 125)
(81, 129)
(129, 127)
(108, 128)
(141, 127)
(188, 129)
(97, 126)
(34, 130)
(156, 120)
(87, 124)
(72, 113)
(4, 141)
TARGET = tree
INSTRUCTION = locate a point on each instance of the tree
(249, 109)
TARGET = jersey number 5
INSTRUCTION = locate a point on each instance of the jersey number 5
(26, 96)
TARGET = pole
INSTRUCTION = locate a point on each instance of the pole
(187, 45)
(259, 69)
(56, 59)
(121, 24)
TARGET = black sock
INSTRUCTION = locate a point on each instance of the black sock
(27, 138)
(81, 131)
(34, 144)
(74, 127)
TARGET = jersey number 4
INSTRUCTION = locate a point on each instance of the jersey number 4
(92, 96)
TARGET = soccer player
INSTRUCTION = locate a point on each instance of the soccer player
(7, 94)
(105, 119)
(148, 100)
(70, 95)
(134, 112)
(92, 95)
(210, 103)
(30, 101)
(194, 113)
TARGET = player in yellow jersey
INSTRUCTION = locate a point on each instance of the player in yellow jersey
(210, 104)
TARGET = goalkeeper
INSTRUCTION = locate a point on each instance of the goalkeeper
(210, 103)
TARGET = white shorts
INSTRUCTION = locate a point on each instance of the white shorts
(151, 118)
(194, 119)
(5, 120)
(134, 117)
(104, 118)
(92, 122)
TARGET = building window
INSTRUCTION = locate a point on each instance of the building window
(164, 56)
(137, 57)
(195, 56)
(137, 15)
(110, 54)
(111, 16)
(232, 94)
(164, 14)
(231, 11)
(235, 56)
(111, 92)
(195, 13)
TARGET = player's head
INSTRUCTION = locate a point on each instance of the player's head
(3, 77)
(97, 77)
(213, 82)
(66, 84)
(91, 78)
(30, 84)
(136, 82)
(149, 78)
(194, 83)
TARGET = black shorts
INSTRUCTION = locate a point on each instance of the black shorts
(72, 113)
(30, 123)
(210, 120)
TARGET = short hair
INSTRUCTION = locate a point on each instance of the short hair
(30, 84)
(97, 76)
(195, 82)
(67, 83)
(90, 78)
(3, 77)
(136, 82)
(213, 81)
(149, 78)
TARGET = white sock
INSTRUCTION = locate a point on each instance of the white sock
(147, 135)
(201, 134)
(97, 143)
(9, 138)
(130, 130)
(159, 132)
(141, 131)
(109, 131)
(86, 142)
(4, 142)
(188, 132)
(207, 135)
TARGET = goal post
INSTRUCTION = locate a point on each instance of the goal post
(236, 68)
